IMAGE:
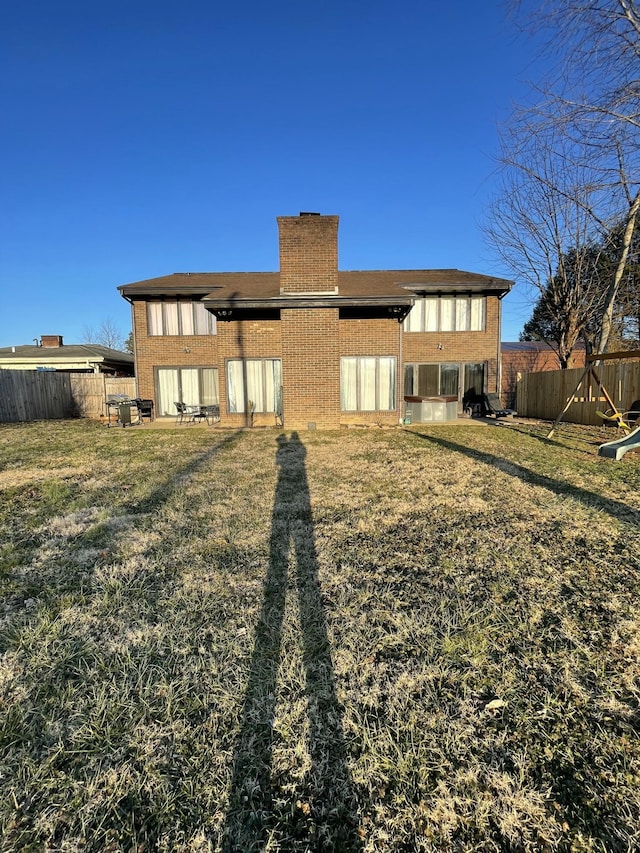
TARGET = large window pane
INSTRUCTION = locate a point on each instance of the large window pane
(168, 391)
(271, 384)
(179, 318)
(477, 314)
(171, 318)
(190, 386)
(186, 318)
(205, 321)
(449, 380)
(474, 378)
(415, 318)
(431, 314)
(408, 380)
(387, 384)
(235, 386)
(263, 381)
(195, 386)
(209, 378)
(348, 384)
(447, 317)
(462, 314)
(255, 388)
(446, 314)
(428, 380)
(368, 384)
(154, 318)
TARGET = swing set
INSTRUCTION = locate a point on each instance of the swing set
(624, 420)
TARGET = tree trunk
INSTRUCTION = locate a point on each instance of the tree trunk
(602, 340)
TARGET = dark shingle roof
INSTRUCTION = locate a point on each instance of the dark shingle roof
(532, 346)
(92, 352)
(351, 284)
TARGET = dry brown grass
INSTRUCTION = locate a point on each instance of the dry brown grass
(368, 640)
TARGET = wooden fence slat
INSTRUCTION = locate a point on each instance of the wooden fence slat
(29, 395)
(543, 395)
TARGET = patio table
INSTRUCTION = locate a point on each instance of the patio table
(194, 413)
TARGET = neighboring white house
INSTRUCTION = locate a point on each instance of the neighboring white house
(52, 354)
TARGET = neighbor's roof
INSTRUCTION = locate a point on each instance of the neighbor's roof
(532, 346)
(253, 288)
(66, 352)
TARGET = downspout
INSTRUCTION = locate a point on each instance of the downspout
(135, 345)
(499, 353)
(400, 376)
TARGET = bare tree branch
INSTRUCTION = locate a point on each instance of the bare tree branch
(572, 157)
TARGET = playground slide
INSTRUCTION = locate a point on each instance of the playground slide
(617, 448)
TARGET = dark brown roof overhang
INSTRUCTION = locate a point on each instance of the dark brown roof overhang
(228, 309)
(493, 287)
(142, 290)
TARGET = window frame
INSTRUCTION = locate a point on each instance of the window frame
(172, 312)
(454, 313)
(392, 391)
(165, 408)
(462, 369)
(243, 395)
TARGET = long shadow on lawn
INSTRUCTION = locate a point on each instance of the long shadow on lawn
(617, 509)
(323, 814)
(162, 492)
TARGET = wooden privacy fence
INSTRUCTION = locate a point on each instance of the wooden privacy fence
(544, 395)
(31, 395)
(90, 392)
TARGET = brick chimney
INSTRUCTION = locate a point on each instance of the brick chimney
(308, 253)
(51, 341)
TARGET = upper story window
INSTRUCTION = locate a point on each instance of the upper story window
(447, 314)
(179, 317)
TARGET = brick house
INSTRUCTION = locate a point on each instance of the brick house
(312, 346)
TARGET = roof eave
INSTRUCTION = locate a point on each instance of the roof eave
(129, 290)
(226, 309)
(484, 288)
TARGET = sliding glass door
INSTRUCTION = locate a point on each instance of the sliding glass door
(195, 386)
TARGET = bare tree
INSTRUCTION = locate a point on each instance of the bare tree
(542, 226)
(107, 334)
(587, 116)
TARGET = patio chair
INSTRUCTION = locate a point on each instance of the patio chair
(145, 408)
(484, 405)
(493, 407)
(181, 412)
(211, 413)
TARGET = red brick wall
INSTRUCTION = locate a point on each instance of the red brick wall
(167, 351)
(310, 343)
(310, 367)
(532, 361)
(378, 337)
(457, 347)
(246, 339)
(308, 254)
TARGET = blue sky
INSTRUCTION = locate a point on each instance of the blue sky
(143, 138)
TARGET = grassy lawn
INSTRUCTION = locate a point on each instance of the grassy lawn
(366, 640)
